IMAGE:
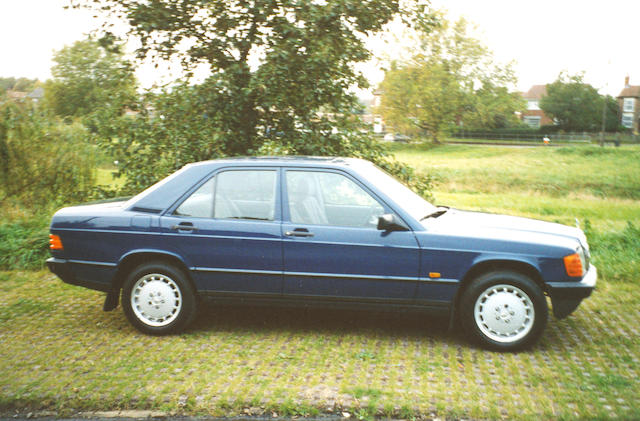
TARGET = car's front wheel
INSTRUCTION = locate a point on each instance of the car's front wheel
(158, 299)
(504, 311)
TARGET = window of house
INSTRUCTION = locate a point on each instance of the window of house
(532, 121)
(241, 194)
(627, 120)
(325, 198)
(533, 105)
(628, 104)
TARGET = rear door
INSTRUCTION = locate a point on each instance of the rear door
(228, 231)
(332, 248)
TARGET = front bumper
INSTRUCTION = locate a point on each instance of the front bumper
(567, 296)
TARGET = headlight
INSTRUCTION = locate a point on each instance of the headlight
(584, 259)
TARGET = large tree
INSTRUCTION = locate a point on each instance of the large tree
(88, 77)
(576, 105)
(450, 79)
(280, 74)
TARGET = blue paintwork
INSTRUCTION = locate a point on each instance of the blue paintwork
(230, 256)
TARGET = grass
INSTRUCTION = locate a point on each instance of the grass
(582, 170)
(105, 177)
(60, 352)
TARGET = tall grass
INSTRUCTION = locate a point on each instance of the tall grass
(24, 244)
(616, 253)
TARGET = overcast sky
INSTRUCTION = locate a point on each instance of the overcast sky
(543, 37)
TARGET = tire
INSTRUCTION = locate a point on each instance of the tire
(158, 299)
(504, 311)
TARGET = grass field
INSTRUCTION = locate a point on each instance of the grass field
(60, 352)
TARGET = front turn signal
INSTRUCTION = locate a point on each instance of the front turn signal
(55, 243)
(573, 265)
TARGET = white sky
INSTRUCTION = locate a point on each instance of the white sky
(544, 37)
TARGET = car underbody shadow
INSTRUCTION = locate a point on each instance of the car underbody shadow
(253, 318)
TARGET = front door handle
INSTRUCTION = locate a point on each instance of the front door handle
(184, 226)
(298, 232)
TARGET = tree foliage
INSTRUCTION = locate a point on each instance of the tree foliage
(279, 78)
(576, 105)
(88, 78)
(450, 79)
(41, 160)
(21, 84)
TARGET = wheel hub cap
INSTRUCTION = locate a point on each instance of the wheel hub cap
(156, 299)
(504, 313)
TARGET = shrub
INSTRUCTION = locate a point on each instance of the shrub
(41, 159)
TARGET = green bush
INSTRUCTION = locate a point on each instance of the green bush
(24, 244)
(43, 160)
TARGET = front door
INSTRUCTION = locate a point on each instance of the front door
(332, 248)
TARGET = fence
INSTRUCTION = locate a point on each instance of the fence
(537, 137)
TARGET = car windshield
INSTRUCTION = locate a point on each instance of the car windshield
(411, 202)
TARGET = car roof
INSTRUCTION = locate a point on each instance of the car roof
(285, 160)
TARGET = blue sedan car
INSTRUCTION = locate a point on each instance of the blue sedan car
(318, 231)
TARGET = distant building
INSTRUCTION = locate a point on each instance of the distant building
(371, 115)
(533, 116)
(16, 95)
(629, 102)
(36, 95)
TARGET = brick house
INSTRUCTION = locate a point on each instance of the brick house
(533, 116)
(629, 102)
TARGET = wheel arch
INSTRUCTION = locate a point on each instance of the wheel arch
(490, 265)
(136, 258)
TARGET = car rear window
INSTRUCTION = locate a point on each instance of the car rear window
(163, 194)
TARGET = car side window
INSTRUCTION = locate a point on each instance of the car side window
(200, 203)
(234, 194)
(245, 194)
(327, 198)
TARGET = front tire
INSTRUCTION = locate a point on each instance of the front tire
(158, 299)
(504, 311)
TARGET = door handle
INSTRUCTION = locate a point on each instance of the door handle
(184, 226)
(298, 233)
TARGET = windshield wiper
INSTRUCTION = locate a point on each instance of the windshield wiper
(441, 210)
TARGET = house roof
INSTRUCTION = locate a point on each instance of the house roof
(36, 93)
(630, 91)
(536, 92)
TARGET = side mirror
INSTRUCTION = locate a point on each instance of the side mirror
(390, 222)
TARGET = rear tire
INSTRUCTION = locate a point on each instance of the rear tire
(158, 299)
(504, 311)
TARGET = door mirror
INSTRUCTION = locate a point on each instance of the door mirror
(390, 222)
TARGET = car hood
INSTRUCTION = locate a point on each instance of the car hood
(504, 227)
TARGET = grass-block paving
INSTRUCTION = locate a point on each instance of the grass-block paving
(59, 351)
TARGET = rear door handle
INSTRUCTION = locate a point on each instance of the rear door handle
(298, 232)
(184, 226)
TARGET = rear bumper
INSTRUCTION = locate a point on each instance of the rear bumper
(567, 296)
(63, 269)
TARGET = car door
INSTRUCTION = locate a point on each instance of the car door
(332, 247)
(228, 231)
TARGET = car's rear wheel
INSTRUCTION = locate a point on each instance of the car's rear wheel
(504, 311)
(158, 299)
